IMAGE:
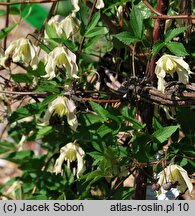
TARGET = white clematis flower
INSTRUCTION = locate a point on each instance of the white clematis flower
(174, 173)
(71, 152)
(61, 57)
(55, 25)
(67, 27)
(62, 106)
(21, 50)
(169, 64)
(99, 4)
(70, 25)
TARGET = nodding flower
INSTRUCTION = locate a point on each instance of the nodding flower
(21, 50)
(61, 57)
(174, 173)
(62, 106)
(71, 152)
(169, 64)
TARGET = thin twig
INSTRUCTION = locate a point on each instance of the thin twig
(162, 16)
(25, 93)
(28, 2)
(190, 17)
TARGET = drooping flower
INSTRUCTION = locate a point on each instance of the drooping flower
(174, 173)
(21, 50)
(70, 25)
(55, 25)
(61, 57)
(169, 64)
(99, 4)
(62, 106)
(67, 27)
(71, 152)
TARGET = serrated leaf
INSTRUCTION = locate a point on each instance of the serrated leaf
(5, 31)
(126, 38)
(136, 21)
(173, 33)
(164, 133)
(177, 48)
(103, 130)
(157, 47)
(43, 132)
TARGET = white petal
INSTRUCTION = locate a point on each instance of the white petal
(99, 4)
(76, 7)
(186, 178)
(58, 163)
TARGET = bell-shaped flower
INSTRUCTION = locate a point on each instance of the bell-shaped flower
(21, 50)
(174, 173)
(99, 4)
(70, 25)
(62, 106)
(169, 64)
(67, 27)
(55, 25)
(61, 57)
(71, 152)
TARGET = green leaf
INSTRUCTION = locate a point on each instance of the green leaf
(164, 133)
(136, 21)
(157, 47)
(103, 130)
(37, 15)
(93, 22)
(89, 46)
(5, 31)
(173, 33)
(126, 38)
(43, 132)
(23, 112)
(6, 146)
(96, 31)
(68, 43)
(145, 11)
(103, 112)
(136, 124)
(37, 197)
(177, 48)
(19, 157)
(91, 119)
(22, 78)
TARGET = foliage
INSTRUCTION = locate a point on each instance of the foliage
(76, 98)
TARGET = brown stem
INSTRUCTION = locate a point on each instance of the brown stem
(141, 183)
(6, 24)
(147, 109)
(28, 2)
